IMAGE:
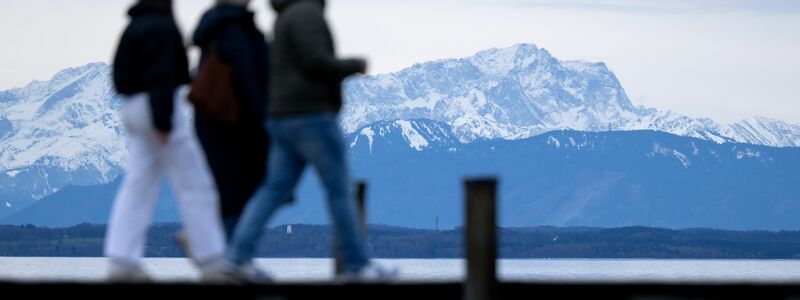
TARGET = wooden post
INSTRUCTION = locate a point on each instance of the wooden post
(361, 191)
(361, 201)
(481, 239)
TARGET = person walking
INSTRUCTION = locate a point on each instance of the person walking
(150, 66)
(306, 98)
(236, 152)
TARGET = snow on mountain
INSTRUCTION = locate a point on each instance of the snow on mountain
(562, 178)
(67, 130)
(73, 117)
(765, 131)
(671, 122)
(523, 91)
(62, 131)
(416, 134)
(514, 93)
(575, 178)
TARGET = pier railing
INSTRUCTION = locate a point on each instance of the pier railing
(480, 238)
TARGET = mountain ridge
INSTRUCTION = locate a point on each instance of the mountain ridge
(523, 91)
(561, 178)
(67, 130)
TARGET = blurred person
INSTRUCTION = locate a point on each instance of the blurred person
(305, 100)
(236, 152)
(150, 66)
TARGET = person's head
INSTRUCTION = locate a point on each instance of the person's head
(161, 3)
(147, 5)
(234, 2)
(279, 5)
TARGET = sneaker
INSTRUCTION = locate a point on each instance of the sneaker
(183, 243)
(217, 271)
(127, 273)
(255, 274)
(369, 273)
(245, 274)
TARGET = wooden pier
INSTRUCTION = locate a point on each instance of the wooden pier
(405, 291)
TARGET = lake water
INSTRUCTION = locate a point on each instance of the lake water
(541, 270)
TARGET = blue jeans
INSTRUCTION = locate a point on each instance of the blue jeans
(314, 139)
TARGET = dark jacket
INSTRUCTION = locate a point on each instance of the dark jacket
(151, 58)
(232, 31)
(236, 154)
(307, 76)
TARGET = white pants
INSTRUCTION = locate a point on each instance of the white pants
(183, 162)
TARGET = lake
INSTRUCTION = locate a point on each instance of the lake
(533, 270)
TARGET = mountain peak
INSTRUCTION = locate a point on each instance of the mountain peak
(516, 92)
(71, 73)
(763, 119)
(501, 61)
(62, 79)
(65, 130)
(765, 131)
(522, 91)
(518, 50)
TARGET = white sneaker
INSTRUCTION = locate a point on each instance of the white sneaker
(183, 243)
(370, 273)
(217, 271)
(246, 274)
(127, 273)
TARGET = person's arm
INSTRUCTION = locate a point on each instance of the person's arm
(123, 63)
(310, 34)
(161, 105)
(166, 47)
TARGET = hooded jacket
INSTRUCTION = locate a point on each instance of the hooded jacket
(236, 154)
(306, 75)
(231, 30)
(151, 58)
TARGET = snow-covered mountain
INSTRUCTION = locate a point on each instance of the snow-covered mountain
(523, 91)
(59, 132)
(402, 134)
(561, 178)
(67, 131)
(571, 178)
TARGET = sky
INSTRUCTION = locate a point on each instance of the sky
(723, 59)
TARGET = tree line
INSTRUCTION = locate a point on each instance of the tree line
(315, 241)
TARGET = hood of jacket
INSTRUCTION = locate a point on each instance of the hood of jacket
(144, 7)
(217, 17)
(281, 5)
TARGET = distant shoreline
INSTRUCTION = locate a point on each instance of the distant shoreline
(314, 241)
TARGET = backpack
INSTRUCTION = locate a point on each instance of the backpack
(212, 91)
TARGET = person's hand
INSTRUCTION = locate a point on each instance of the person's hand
(364, 66)
(162, 137)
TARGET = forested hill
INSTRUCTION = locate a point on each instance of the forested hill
(86, 240)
